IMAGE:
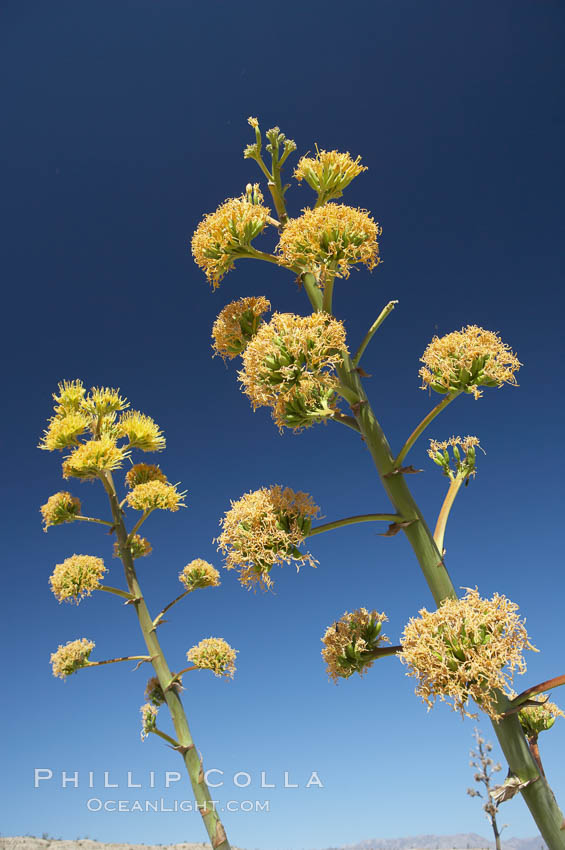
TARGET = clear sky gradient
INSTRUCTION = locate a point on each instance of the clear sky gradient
(122, 123)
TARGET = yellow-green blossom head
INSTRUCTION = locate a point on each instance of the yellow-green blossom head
(71, 657)
(64, 431)
(141, 431)
(148, 719)
(539, 718)
(464, 456)
(462, 649)
(237, 324)
(466, 360)
(328, 173)
(226, 234)
(265, 528)
(59, 508)
(349, 642)
(141, 473)
(102, 401)
(331, 238)
(290, 367)
(154, 692)
(138, 547)
(77, 577)
(69, 400)
(199, 574)
(213, 654)
(155, 495)
(92, 458)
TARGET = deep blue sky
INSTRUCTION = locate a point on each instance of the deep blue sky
(122, 123)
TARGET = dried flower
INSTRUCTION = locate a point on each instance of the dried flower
(142, 432)
(289, 366)
(138, 547)
(71, 657)
(539, 718)
(465, 458)
(155, 495)
(154, 692)
(226, 234)
(461, 650)
(141, 473)
(466, 360)
(148, 719)
(348, 644)
(63, 431)
(264, 528)
(60, 508)
(213, 654)
(329, 173)
(332, 237)
(77, 577)
(199, 574)
(90, 459)
(237, 324)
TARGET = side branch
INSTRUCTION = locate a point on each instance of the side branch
(161, 614)
(372, 331)
(423, 425)
(351, 520)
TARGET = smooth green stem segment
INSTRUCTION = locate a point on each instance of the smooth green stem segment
(343, 419)
(372, 330)
(165, 737)
(382, 652)
(170, 605)
(188, 669)
(328, 294)
(115, 660)
(313, 291)
(351, 520)
(439, 532)
(115, 590)
(186, 746)
(423, 425)
(94, 519)
(537, 689)
(137, 526)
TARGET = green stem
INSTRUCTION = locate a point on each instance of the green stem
(382, 652)
(94, 519)
(328, 294)
(351, 520)
(187, 670)
(372, 330)
(165, 737)
(537, 689)
(313, 291)
(343, 419)
(115, 660)
(187, 748)
(137, 526)
(439, 532)
(423, 425)
(170, 605)
(115, 590)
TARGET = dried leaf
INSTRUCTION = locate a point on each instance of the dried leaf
(403, 470)
(395, 527)
(509, 788)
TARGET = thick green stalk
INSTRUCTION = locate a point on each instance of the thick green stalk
(186, 747)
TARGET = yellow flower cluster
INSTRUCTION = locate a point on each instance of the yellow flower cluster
(330, 239)
(142, 432)
(264, 528)
(155, 495)
(349, 642)
(64, 431)
(237, 324)
(227, 233)
(138, 547)
(289, 366)
(71, 395)
(148, 719)
(103, 401)
(77, 577)
(466, 360)
(199, 574)
(60, 508)
(213, 654)
(464, 455)
(92, 458)
(71, 657)
(461, 650)
(539, 718)
(328, 173)
(141, 473)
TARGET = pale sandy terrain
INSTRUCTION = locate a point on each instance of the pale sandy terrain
(25, 843)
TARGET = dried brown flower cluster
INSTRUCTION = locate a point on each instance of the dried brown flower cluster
(199, 574)
(461, 650)
(330, 239)
(265, 528)
(237, 324)
(60, 508)
(466, 360)
(349, 642)
(154, 692)
(71, 657)
(539, 718)
(213, 654)
(77, 577)
(328, 173)
(141, 473)
(289, 366)
(227, 233)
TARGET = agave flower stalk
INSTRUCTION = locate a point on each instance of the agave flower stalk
(78, 576)
(324, 244)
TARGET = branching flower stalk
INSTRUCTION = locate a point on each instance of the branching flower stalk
(485, 767)
(322, 246)
(94, 416)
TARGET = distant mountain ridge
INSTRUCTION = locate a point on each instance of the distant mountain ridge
(460, 841)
